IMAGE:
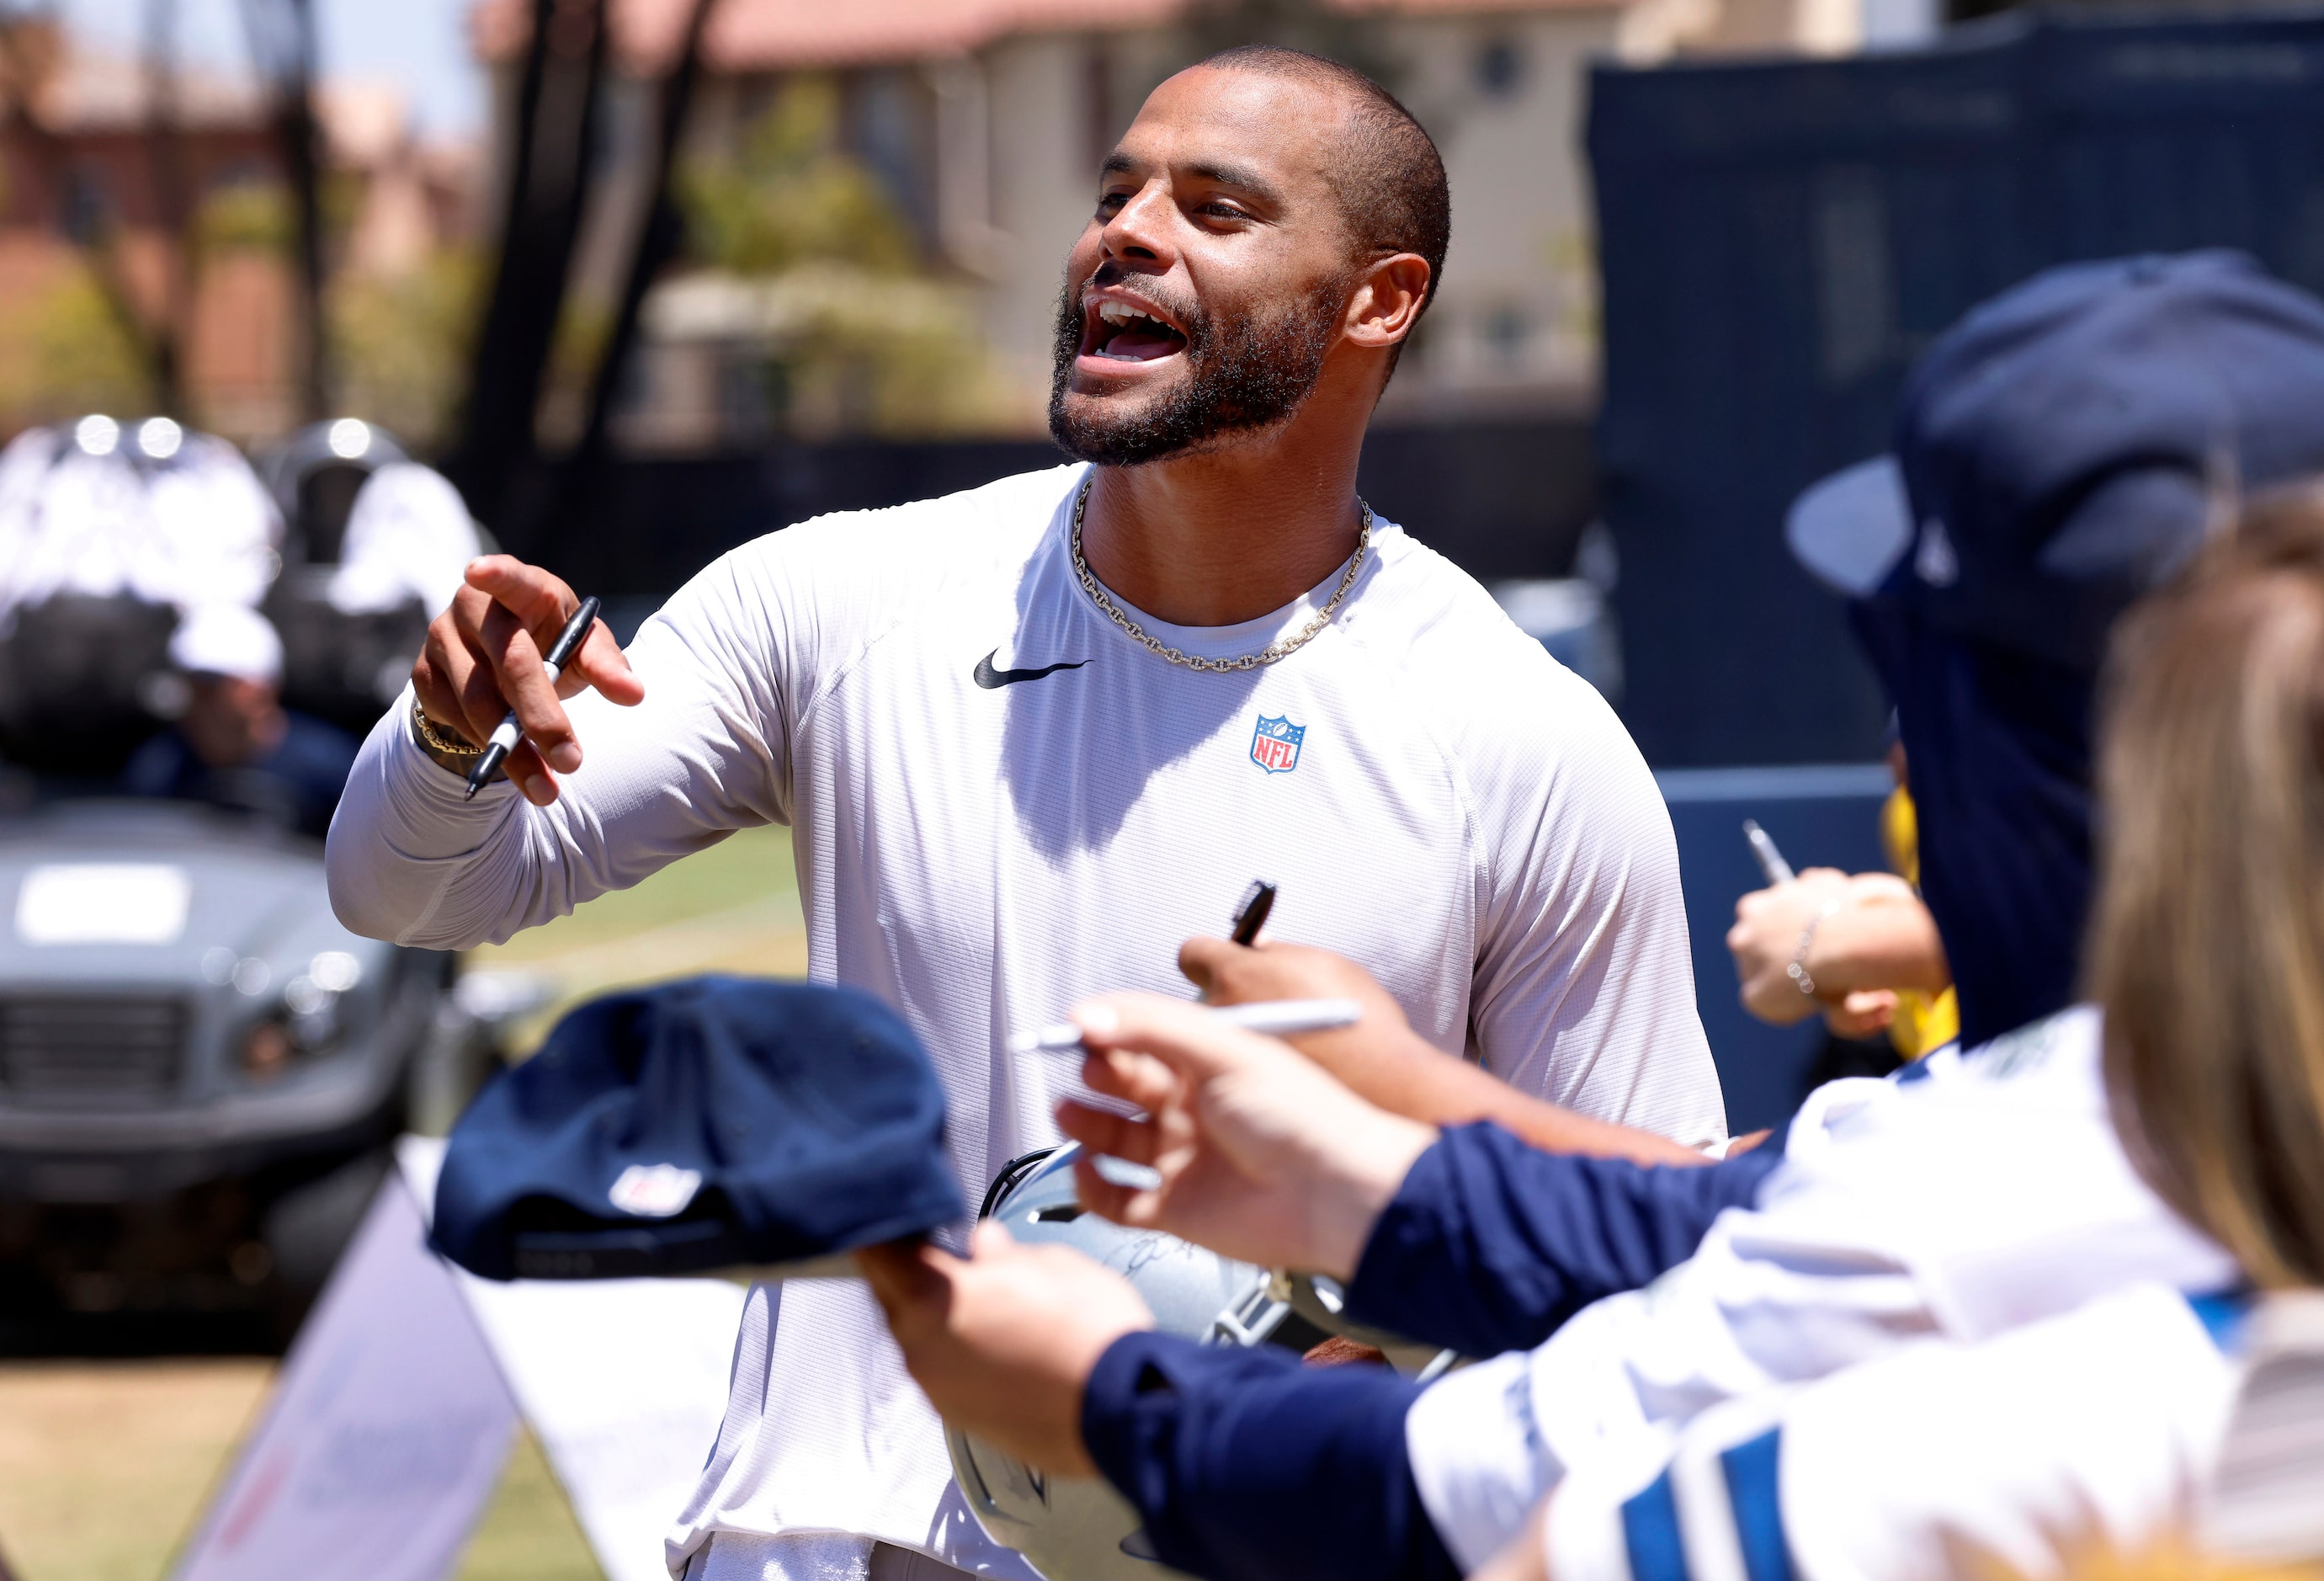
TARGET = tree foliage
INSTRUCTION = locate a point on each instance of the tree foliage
(792, 195)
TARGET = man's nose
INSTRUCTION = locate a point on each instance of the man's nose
(1138, 232)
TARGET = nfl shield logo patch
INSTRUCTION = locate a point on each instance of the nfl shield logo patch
(1275, 745)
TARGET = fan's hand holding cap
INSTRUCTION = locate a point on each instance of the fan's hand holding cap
(2061, 449)
(715, 1123)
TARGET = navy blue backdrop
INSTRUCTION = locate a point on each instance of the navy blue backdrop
(1818, 815)
(1779, 239)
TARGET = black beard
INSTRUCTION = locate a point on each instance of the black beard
(1242, 373)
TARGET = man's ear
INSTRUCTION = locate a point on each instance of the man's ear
(1386, 302)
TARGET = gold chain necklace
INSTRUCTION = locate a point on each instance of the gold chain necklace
(1281, 647)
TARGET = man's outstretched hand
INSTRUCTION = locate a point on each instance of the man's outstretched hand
(1004, 1342)
(483, 657)
(1393, 1067)
(1263, 1156)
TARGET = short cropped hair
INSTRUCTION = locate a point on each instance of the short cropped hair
(1390, 179)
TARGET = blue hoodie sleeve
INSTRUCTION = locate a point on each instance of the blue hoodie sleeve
(1246, 1465)
(1490, 1244)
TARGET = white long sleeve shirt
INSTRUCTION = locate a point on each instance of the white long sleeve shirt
(1002, 802)
(1990, 1193)
(2134, 1423)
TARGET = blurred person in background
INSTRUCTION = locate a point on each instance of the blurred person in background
(108, 536)
(1862, 950)
(235, 744)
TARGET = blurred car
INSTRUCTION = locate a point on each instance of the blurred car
(200, 1070)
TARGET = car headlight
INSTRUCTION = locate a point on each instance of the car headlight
(308, 1019)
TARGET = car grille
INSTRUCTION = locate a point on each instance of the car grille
(117, 1052)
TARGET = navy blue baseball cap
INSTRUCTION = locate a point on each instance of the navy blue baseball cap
(714, 1123)
(2059, 452)
(2063, 448)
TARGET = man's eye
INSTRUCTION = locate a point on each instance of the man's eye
(1224, 210)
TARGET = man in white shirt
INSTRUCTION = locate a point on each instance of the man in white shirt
(1032, 736)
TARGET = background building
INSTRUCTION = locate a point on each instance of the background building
(962, 137)
(146, 232)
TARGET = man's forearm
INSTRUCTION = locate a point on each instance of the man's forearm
(1404, 1074)
(412, 859)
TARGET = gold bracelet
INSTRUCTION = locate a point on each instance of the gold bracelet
(450, 752)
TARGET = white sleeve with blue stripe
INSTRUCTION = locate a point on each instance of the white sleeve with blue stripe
(2098, 1429)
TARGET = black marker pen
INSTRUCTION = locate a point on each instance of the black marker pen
(1251, 914)
(504, 739)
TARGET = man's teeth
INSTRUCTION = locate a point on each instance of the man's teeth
(1114, 312)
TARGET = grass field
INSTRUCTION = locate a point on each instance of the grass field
(105, 1465)
(733, 908)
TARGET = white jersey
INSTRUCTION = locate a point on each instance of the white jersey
(1989, 1193)
(2129, 1425)
(1002, 802)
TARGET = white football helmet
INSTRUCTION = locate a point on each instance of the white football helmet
(1081, 1529)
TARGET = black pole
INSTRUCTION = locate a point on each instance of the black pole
(300, 140)
(547, 197)
(488, 354)
(281, 34)
(659, 232)
(165, 156)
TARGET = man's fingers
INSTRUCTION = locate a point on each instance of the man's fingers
(530, 594)
(600, 662)
(439, 676)
(523, 677)
(1135, 1079)
(1201, 961)
(1124, 1205)
(532, 778)
(907, 1275)
(1192, 1040)
(1099, 1131)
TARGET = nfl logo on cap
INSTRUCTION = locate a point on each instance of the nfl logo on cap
(1275, 745)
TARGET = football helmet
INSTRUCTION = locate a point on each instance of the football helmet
(1077, 1529)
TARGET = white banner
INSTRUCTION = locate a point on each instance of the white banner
(393, 1414)
(623, 1381)
(385, 1434)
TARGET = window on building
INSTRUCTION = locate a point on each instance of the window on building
(1499, 68)
(86, 205)
(1507, 332)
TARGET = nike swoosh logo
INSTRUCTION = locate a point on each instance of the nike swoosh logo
(993, 680)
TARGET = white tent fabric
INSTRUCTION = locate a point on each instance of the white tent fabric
(190, 529)
(88, 528)
(409, 536)
(220, 527)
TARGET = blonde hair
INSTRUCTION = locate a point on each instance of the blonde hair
(2207, 945)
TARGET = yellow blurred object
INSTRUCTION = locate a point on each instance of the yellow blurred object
(1923, 1023)
(2095, 1562)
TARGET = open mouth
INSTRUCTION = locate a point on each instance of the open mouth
(1121, 332)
